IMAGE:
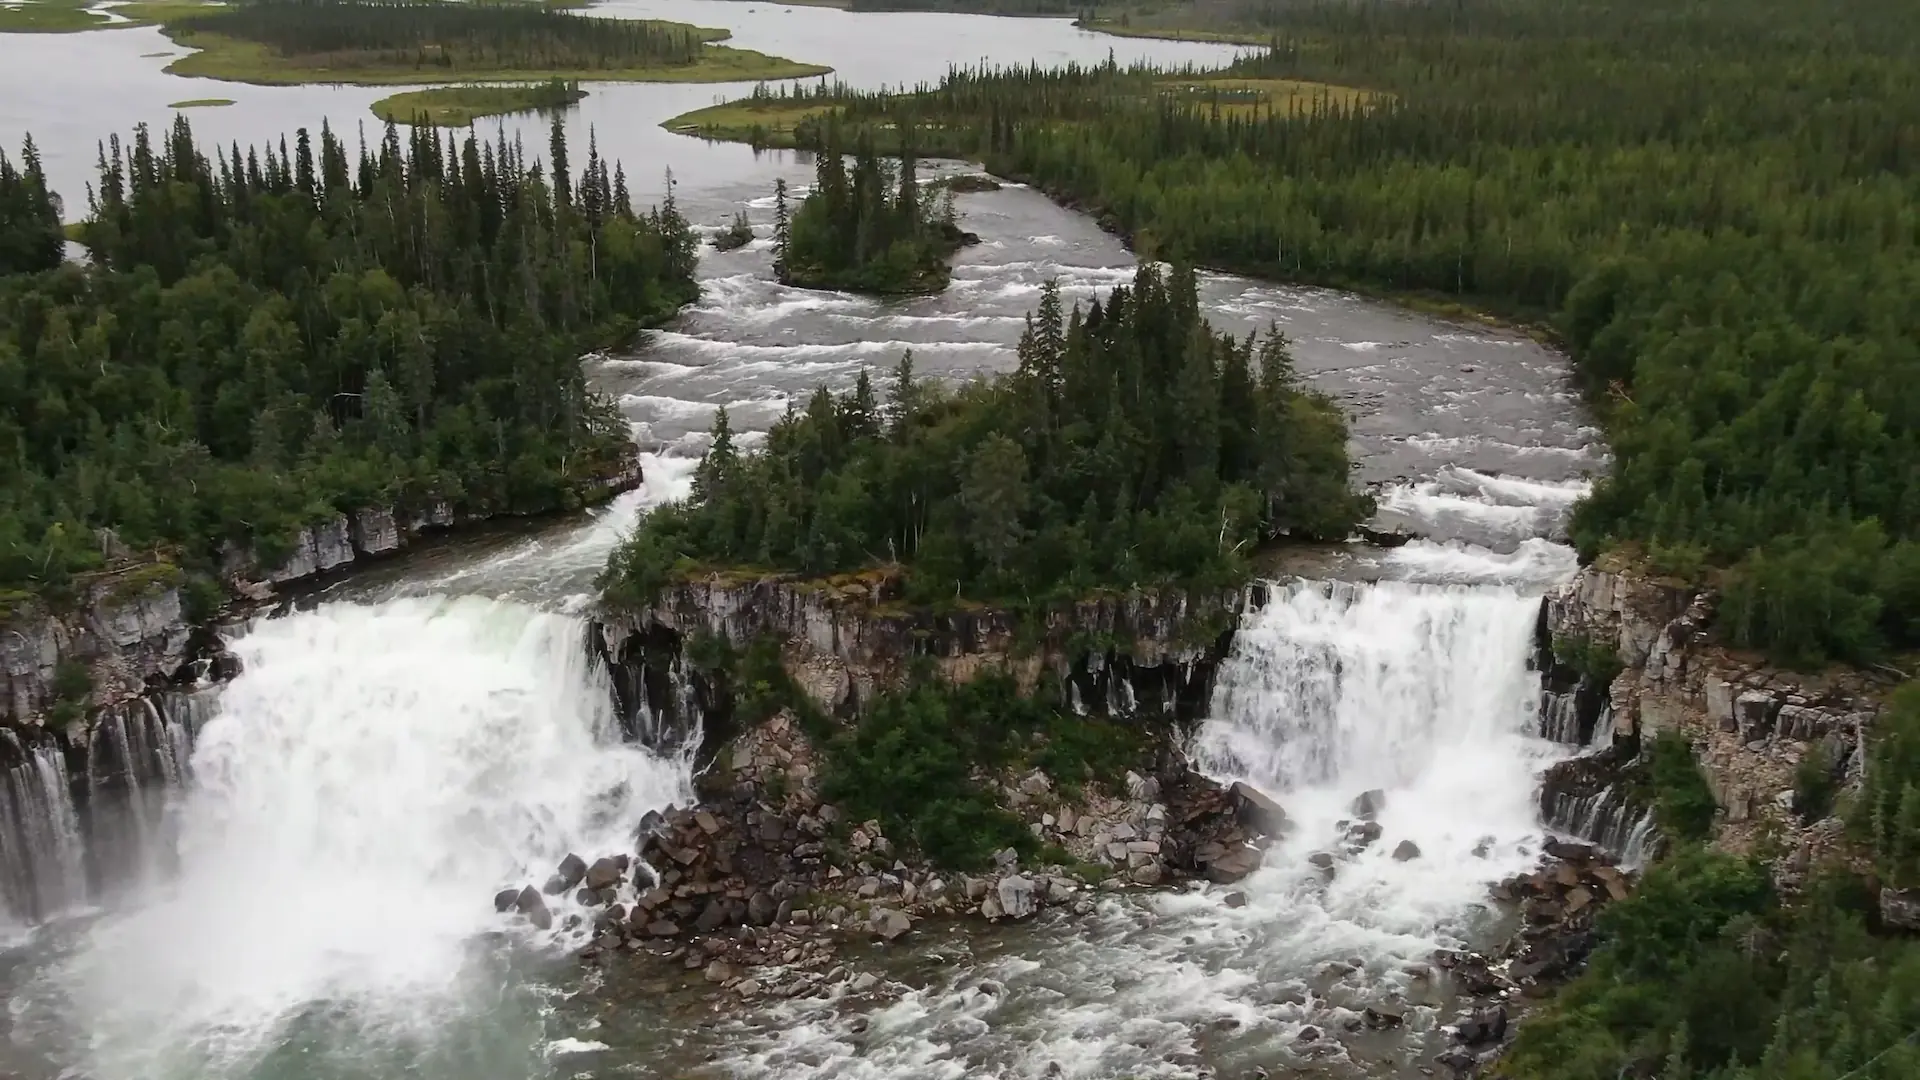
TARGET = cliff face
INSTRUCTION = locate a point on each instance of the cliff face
(1750, 725)
(1137, 654)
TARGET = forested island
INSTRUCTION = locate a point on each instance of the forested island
(873, 230)
(460, 106)
(265, 337)
(381, 42)
(1133, 446)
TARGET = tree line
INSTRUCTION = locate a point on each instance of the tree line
(496, 36)
(264, 337)
(1133, 445)
(1712, 202)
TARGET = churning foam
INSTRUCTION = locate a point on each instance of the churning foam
(371, 777)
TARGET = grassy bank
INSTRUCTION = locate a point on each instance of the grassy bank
(1174, 32)
(201, 103)
(50, 17)
(460, 106)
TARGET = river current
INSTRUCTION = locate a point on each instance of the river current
(430, 729)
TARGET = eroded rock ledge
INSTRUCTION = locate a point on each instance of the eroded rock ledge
(1750, 725)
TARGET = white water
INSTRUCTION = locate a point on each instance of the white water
(1419, 690)
(370, 779)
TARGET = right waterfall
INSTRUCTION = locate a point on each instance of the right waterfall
(1397, 724)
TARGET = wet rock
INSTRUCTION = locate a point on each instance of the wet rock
(1482, 1027)
(1458, 1060)
(863, 982)
(719, 971)
(1150, 874)
(1364, 832)
(504, 900)
(1236, 899)
(554, 886)
(1406, 851)
(1571, 851)
(663, 928)
(1321, 859)
(1369, 804)
(1237, 863)
(1257, 810)
(712, 917)
(1381, 1019)
(1308, 1034)
(603, 874)
(889, 924)
(571, 871)
(1017, 896)
(534, 908)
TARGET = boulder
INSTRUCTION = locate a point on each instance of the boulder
(1017, 896)
(1237, 863)
(1369, 804)
(1321, 859)
(1406, 851)
(1364, 832)
(504, 900)
(889, 924)
(712, 917)
(1571, 851)
(1382, 1019)
(534, 907)
(572, 870)
(761, 909)
(1483, 1026)
(603, 874)
(1236, 899)
(1257, 810)
(663, 928)
(1900, 909)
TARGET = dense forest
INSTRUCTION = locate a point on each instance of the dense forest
(869, 230)
(1133, 445)
(434, 33)
(1712, 201)
(264, 337)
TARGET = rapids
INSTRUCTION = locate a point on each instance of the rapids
(310, 902)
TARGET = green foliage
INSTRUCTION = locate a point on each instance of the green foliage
(1699, 974)
(1815, 786)
(869, 231)
(454, 37)
(30, 236)
(911, 758)
(1595, 661)
(1671, 780)
(264, 339)
(1888, 812)
(460, 106)
(1737, 278)
(1133, 446)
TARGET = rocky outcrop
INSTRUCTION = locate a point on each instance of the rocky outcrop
(1145, 654)
(1750, 725)
(126, 632)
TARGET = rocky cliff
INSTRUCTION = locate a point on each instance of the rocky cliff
(1750, 725)
(1145, 653)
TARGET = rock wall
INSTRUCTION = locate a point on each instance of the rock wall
(1750, 725)
(1146, 654)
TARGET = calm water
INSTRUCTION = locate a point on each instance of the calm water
(428, 730)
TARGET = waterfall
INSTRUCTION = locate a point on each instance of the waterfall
(359, 791)
(1609, 818)
(42, 858)
(1423, 692)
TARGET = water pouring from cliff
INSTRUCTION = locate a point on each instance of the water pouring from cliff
(372, 776)
(1419, 692)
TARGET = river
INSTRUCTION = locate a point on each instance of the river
(430, 729)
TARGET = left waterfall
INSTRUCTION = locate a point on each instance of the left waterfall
(358, 794)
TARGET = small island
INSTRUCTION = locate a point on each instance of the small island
(737, 235)
(201, 103)
(401, 42)
(460, 106)
(872, 230)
